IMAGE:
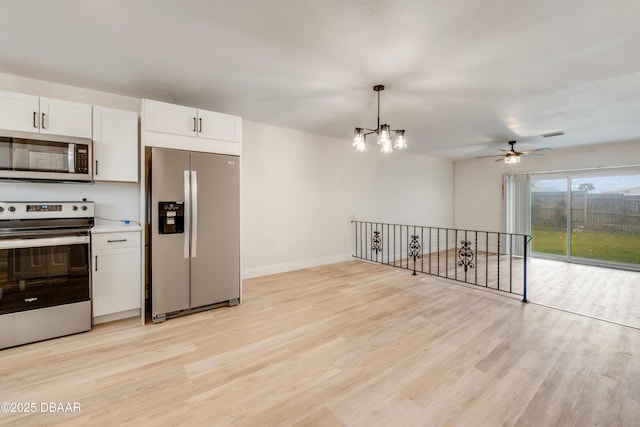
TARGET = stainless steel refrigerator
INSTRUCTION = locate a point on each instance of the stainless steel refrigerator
(194, 231)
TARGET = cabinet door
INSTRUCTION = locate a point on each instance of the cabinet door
(59, 117)
(170, 118)
(19, 112)
(116, 281)
(220, 126)
(115, 145)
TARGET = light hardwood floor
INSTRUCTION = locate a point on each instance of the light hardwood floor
(353, 344)
(604, 293)
(600, 292)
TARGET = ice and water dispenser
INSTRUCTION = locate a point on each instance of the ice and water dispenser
(171, 217)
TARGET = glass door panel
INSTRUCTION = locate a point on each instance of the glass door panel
(605, 218)
(549, 209)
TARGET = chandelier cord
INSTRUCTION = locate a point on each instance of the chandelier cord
(378, 128)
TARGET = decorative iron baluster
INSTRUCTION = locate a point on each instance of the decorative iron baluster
(376, 244)
(465, 255)
(414, 250)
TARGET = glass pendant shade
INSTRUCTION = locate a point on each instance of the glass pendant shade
(384, 135)
(358, 140)
(400, 143)
(358, 137)
(386, 147)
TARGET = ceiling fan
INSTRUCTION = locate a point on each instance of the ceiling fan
(513, 156)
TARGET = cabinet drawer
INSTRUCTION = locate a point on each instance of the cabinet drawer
(127, 239)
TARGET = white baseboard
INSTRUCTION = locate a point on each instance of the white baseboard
(249, 273)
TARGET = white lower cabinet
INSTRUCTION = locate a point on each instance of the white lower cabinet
(115, 275)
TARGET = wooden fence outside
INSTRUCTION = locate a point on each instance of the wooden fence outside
(588, 210)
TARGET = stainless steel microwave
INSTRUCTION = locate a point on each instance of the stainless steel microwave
(29, 156)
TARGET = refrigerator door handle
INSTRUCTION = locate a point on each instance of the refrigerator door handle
(194, 207)
(187, 209)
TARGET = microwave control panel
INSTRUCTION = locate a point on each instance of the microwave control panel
(82, 158)
(170, 217)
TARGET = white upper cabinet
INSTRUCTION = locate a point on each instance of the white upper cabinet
(219, 126)
(115, 145)
(188, 121)
(59, 117)
(19, 112)
(170, 118)
(28, 113)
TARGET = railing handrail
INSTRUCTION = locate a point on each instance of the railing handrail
(441, 228)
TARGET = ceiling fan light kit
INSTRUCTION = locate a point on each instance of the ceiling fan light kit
(511, 158)
(383, 132)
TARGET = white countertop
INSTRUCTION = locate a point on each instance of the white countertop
(116, 227)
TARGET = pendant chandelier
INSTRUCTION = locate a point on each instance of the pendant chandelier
(383, 132)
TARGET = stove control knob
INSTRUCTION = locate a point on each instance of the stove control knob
(12, 209)
(1, 209)
(84, 208)
(75, 208)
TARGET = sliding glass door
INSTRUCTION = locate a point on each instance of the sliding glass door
(605, 218)
(591, 216)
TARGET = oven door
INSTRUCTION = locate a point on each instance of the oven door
(40, 270)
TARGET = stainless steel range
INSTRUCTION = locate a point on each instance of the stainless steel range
(45, 275)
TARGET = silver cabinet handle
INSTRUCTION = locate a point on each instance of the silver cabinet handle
(42, 124)
(35, 117)
(200, 129)
(117, 240)
(96, 167)
(96, 263)
(194, 124)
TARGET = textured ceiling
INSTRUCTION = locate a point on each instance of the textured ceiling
(462, 76)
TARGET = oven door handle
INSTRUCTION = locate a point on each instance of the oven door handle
(49, 241)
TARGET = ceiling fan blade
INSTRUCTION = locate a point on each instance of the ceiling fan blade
(486, 157)
(532, 155)
(499, 160)
(537, 150)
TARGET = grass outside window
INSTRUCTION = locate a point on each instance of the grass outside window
(588, 244)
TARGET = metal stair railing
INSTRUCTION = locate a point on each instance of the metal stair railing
(489, 259)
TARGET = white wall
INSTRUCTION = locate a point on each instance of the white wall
(113, 200)
(301, 190)
(478, 183)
